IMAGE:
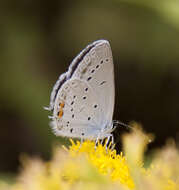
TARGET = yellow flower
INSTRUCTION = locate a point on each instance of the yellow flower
(107, 161)
(163, 174)
(86, 167)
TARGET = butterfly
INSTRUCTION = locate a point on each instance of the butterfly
(82, 100)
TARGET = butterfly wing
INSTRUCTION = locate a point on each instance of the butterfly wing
(76, 112)
(84, 103)
(97, 70)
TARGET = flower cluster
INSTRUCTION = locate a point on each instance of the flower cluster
(82, 166)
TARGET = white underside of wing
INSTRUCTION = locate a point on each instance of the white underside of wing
(88, 96)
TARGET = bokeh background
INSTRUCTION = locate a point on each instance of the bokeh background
(39, 39)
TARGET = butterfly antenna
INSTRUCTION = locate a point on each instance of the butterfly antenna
(122, 124)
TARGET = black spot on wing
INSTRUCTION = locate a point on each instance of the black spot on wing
(103, 82)
(89, 78)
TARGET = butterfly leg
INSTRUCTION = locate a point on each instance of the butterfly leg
(97, 141)
(108, 141)
(82, 140)
(102, 140)
(112, 139)
(112, 142)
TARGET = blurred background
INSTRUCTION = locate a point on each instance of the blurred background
(39, 39)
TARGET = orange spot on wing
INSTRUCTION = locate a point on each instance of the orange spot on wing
(60, 113)
(62, 104)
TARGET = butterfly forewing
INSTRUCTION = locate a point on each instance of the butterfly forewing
(99, 73)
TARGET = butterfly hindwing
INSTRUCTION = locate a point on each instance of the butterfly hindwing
(76, 105)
